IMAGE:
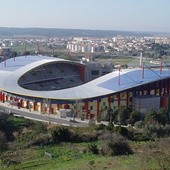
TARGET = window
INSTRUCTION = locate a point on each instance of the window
(95, 72)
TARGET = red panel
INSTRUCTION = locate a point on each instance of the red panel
(86, 107)
(81, 69)
(1, 96)
(21, 103)
(34, 106)
(41, 107)
(27, 104)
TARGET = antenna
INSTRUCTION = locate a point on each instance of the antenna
(119, 77)
(143, 70)
(161, 66)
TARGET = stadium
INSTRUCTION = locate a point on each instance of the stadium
(47, 85)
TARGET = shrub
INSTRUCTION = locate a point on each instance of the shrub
(40, 127)
(123, 131)
(140, 137)
(41, 139)
(110, 126)
(92, 148)
(88, 137)
(123, 115)
(158, 151)
(61, 134)
(115, 145)
(157, 131)
(139, 124)
(134, 116)
(100, 127)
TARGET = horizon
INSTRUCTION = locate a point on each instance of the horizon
(87, 29)
(141, 16)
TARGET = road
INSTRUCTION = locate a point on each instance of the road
(8, 109)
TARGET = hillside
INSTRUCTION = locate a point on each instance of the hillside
(56, 32)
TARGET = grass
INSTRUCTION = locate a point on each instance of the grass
(68, 156)
(75, 156)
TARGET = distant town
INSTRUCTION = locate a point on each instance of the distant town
(154, 47)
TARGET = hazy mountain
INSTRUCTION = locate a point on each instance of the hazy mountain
(55, 32)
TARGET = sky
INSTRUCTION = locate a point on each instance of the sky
(123, 15)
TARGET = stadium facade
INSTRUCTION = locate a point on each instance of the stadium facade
(47, 84)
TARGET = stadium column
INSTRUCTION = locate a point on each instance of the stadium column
(134, 92)
(1, 96)
(168, 86)
(58, 106)
(21, 103)
(27, 104)
(155, 88)
(164, 86)
(41, 109)
(118, 96)
(127, 99)
(149, 89)
(160, 88)
(98, 106)
(86, 107)
(34, 105)
(109, 101)
(50, 108)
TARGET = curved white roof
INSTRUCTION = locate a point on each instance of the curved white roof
(101, 86)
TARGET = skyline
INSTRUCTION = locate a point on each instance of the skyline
(149, 16)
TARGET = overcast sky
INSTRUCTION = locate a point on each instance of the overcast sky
(128, 15)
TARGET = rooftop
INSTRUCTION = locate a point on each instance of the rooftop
(105, 85)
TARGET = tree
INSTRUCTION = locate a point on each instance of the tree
(151, 117)
(134, 116)
(160, 117)
(163, 116)
(123, 115)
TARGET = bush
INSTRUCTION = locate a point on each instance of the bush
(134, 117)
(115, 145)
(157, 131)
(139, 124)
(40, 127)
(110, 126)
(42, 139)
(61, 134)
(92, 148)
(158, 152)
(140, 137)
(88, 137)
(100, 127)
(123, 131)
